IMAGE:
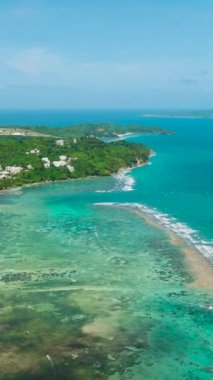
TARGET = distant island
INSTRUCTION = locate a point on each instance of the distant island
(38, 154)
(82, 130)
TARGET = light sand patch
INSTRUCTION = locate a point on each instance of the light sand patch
(102, 303)
(195, 263)
(100, 328)
(198, 265)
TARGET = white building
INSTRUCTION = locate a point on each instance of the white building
(46, 162)
(9, 170)
(60, 142)
(70, 168)
(13, 170)
(35, 151)
(63, 158)
(59, 164)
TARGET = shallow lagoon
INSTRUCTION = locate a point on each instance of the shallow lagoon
(90, 292)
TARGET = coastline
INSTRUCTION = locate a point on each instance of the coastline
(35, 184)
(151, 154)
(195, 263)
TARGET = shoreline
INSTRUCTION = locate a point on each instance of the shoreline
(196, 264)
(9, 189)
(123, 169)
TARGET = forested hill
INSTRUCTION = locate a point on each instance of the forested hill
(32, 159)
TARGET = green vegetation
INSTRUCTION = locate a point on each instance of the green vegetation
(86, 156)
(34, 154)
(77, 131)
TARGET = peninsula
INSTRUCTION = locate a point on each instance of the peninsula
(38, 154)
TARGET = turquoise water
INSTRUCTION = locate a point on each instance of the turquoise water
(182, 174)
(89, 288)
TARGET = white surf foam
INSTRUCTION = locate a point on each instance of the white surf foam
(189, 235)
(124, 182)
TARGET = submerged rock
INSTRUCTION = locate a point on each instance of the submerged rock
(208, 369)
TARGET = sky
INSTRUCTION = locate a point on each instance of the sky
(103, 54)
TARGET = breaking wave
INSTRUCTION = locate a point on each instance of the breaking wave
(189, 235)
(124, 182)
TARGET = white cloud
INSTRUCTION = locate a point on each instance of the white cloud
(40, 66)
(35, 61)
